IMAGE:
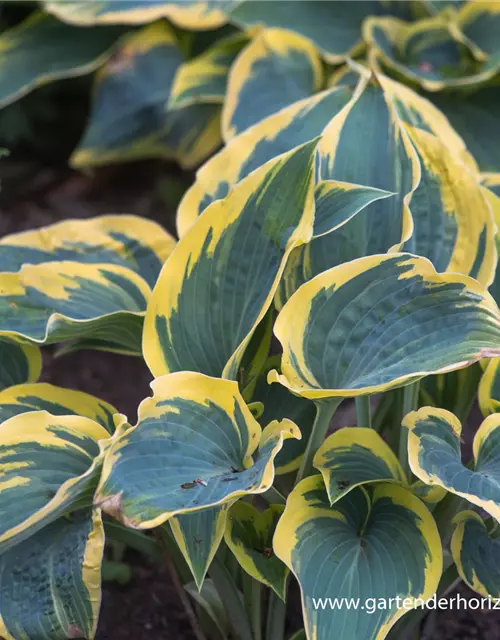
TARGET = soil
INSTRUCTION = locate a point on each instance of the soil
(148, 607)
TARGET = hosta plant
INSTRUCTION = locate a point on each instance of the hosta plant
(230, 465)
(177, 78)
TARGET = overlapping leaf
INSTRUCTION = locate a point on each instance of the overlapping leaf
(129, 117)
(204, 78)
(189, 14)
(50, 585)
(58, 401)
(476, 553)
(48, 466)
(479, 22)
(334, 28)
(198, 535)
(281, 65)
(441, 205)
(354, 456)
(428, 52)
(380, 322)
(278, 404)
(388, 162)
(220, 280)
(42, 49)
(139, 244)
(196, 445)
(57, 301)
(378, 542)
(435, 458)
(279, 133)
(19, 363)
(249, 535)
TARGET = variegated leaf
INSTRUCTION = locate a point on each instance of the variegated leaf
(428, 52)
(249, 535)
(388, 162)
(376, 542)
(50, 585)
(204, 78)
(381, 322)
(435, 457)
(58, 401)
(19, 363)
(278, 403)
(41, 50)
(279, 133)
(476, 553)
(198, 536)
(334, 28)
(276, 69)
(57, 301)
(196, 445)
(129, 118)
(354, 456)
(198, 322)
(188, 14)
(48, 467)
(137, 243)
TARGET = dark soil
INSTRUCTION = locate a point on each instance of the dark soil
(148, 607)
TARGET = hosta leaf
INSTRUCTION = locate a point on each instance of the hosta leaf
(281, 132)
(380, 322)
(281, 65)
(420, 113)
(334, 28)
(56, 301)
(189, 14)
(353, 456)
(191, 449)
(476, 554)
(42, 49)
(19, 363)
(475, 117)
(198, 536)
(58, 401)
(50, 585)
(337, 202)
(47, 465)
(130, 241)
(388, 162)
(435, 458)
(249, 535)
(428, 493)
(479, 22)
(204, 78)
(381, 542)
(129, 118)
(198, 322)
(428, 52)
(279, 403)
(489, 388)
(444, 230)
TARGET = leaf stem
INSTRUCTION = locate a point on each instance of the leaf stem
(410, 403)
(273, 496)
(253, 596)
(230, 596)
(276, 616)
(363, 411)
(325, 410)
